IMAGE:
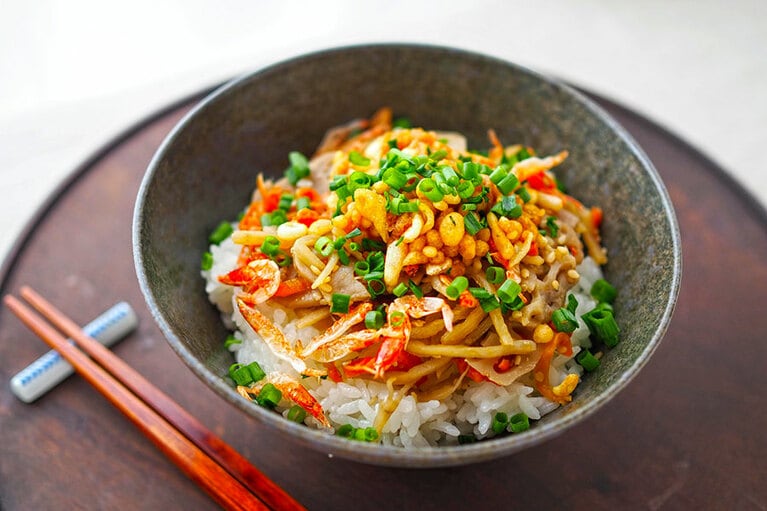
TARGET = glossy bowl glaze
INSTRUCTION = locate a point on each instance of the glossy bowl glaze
(205, 171)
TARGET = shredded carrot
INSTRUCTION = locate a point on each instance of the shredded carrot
(496, 153)
(360, 366)
(541, 370)
(306, 216)
(467, 299)
(533, 249)
(472, 373)
(292, 286)
(504, 364)
(333, 373)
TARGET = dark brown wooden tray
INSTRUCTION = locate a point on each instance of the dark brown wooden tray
(688, 433)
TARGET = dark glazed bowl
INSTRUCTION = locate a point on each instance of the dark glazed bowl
(205, 171)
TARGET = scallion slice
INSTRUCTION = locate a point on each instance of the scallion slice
(206, 263)
(323, 246)
(340, 303)
(603, 291)
(588, 361)
(509, 291)
(564, 320)
(471, 223)
(357, 159)
(220, 233)
(400, 289)
(602, 325)
(271, 246)
(519, 422)
(269, 396)
(374, 320)
(495, 274)
(296, 414)
(500, 423)
(429, 190)
(303, 203)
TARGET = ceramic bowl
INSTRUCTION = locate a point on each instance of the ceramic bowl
(205, 171)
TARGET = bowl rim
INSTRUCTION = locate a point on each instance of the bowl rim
(389, 455)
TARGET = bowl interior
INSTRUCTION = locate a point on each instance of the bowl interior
(205, 172)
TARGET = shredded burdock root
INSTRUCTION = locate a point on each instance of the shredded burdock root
(432, 265)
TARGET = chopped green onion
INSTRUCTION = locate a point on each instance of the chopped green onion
(415, 289)
(438, 155)
(343, 256)
(429, 190)
(602, 325)
(299, 167)
(508, 183)
(296, 414)
(470, 171)
(373, 275)
(357, 180)
(471, 223)
(368, 244)
(457, 287)
(500, 423)
(465, 189)
(497, 175)
(524, 194)
(353, 233)
(271, 246)
(564, 320)
(269, 396)
(572, 303)
(489, 304)
(466, 206)
(303, 203)
(450, 175)
(374, 259)
(354, 246)
(551, 226)
(519, 422)
(394, 178)
(522, 154)
(206, 263)
(323, 246)
(347, 430)
(240, 374)
(480, 293)
(337, 183)
(495, 274)
(374, 320)
(376, 287)
(361, 268)
(369, 434)
(397, 318)
(278, 217)
(401, 122)
(508, 207)
(407, 207)
(400, 289)
(255, 371)
(509, 291)
(340, 242)
(340, 303)
(588, 361)
(231, 340)
(603, 291)
(357, 159)
(220, 233)
(285, 202)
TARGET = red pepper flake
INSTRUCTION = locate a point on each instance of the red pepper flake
(533, 249)
(333, 373)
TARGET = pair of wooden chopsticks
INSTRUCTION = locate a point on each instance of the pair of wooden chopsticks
(205, 458)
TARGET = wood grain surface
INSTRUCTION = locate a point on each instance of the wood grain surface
(690, 432)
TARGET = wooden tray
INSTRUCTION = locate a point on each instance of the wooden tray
(688, 433)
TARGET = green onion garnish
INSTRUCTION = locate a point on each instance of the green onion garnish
(508, 183)
(296, 414)
(407, 207)
(347, 430)
(285, 202)
(230, 340)
(602, 325)
(240, 374)
(299, 167)
(374, 320)
(572, 303)
(551, 226)
(497, 175)
(429, 190)
(457, 287)
(394, 178)
(271, 246)
(519, 422)
(340, 303)
(220, 233)
(500, 423)
(509, 291)
(397, 318)
(343, 256)
(323, 246)
(358, 180)
(564, 320)
(495, 274)
(269, 396)
(357, 159)
(524, 194)
(400, 289)
(588, 361)
(206, 263)
(376, 286)
(507, 207)
(361, 268)
(255, 371)
(480, 293)
(603, 291)
(401, 122)
(415, 289)
(489, 304)
(277, 217)
(303, 203)
(471, 223)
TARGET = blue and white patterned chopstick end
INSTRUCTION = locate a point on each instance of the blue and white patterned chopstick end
(51, 369)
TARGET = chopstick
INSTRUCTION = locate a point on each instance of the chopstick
(206, 459)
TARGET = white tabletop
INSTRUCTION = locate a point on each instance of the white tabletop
(74, 73)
